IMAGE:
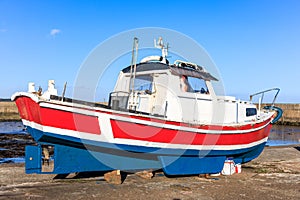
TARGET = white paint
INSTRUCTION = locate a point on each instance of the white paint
(107, 137)
(31, 87)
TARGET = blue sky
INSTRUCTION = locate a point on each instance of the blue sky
(255, 44)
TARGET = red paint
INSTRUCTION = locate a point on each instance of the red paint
(182, 124)
(31, 111)
(70, 121)
(28, 109)
(127, 130)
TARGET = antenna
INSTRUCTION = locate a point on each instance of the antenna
(164, 50)
(64, 91)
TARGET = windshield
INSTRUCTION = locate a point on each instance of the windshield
(192, 84)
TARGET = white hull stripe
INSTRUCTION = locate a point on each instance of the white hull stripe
(106, 138)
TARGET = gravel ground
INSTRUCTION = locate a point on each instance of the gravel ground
(274, 175)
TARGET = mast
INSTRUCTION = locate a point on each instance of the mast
(133, 64)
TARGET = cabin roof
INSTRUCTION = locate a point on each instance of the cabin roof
(193, 73)
(141, 67)
(185, 71)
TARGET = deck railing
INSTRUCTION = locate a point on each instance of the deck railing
(262, 93)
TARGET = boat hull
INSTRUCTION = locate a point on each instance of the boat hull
(86, 138)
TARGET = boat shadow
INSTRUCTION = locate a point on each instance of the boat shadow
(86, 175)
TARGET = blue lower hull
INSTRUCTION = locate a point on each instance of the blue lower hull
(76, 155)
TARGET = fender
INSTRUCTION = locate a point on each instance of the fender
(278, 110)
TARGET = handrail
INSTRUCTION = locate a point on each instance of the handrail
(265, 91)
(195, 66)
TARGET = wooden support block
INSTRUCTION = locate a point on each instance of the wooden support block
(113, 177)
(145, 174)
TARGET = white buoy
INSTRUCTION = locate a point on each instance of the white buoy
(228, 168)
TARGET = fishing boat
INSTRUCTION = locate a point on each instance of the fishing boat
(156, 119)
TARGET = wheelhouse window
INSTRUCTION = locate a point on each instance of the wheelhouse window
(143, 83)
(251, 112)
(191, 84)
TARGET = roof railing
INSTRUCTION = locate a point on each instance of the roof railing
(181, 63)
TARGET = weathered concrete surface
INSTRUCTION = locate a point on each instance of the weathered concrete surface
(8, 111)
(274, 175)
(291, 114)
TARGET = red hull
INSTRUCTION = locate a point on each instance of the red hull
(140, 128)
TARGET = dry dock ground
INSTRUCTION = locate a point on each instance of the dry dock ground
(274, 175)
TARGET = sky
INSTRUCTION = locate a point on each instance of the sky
(255, 44)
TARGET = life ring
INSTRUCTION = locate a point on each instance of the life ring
(278, 110)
